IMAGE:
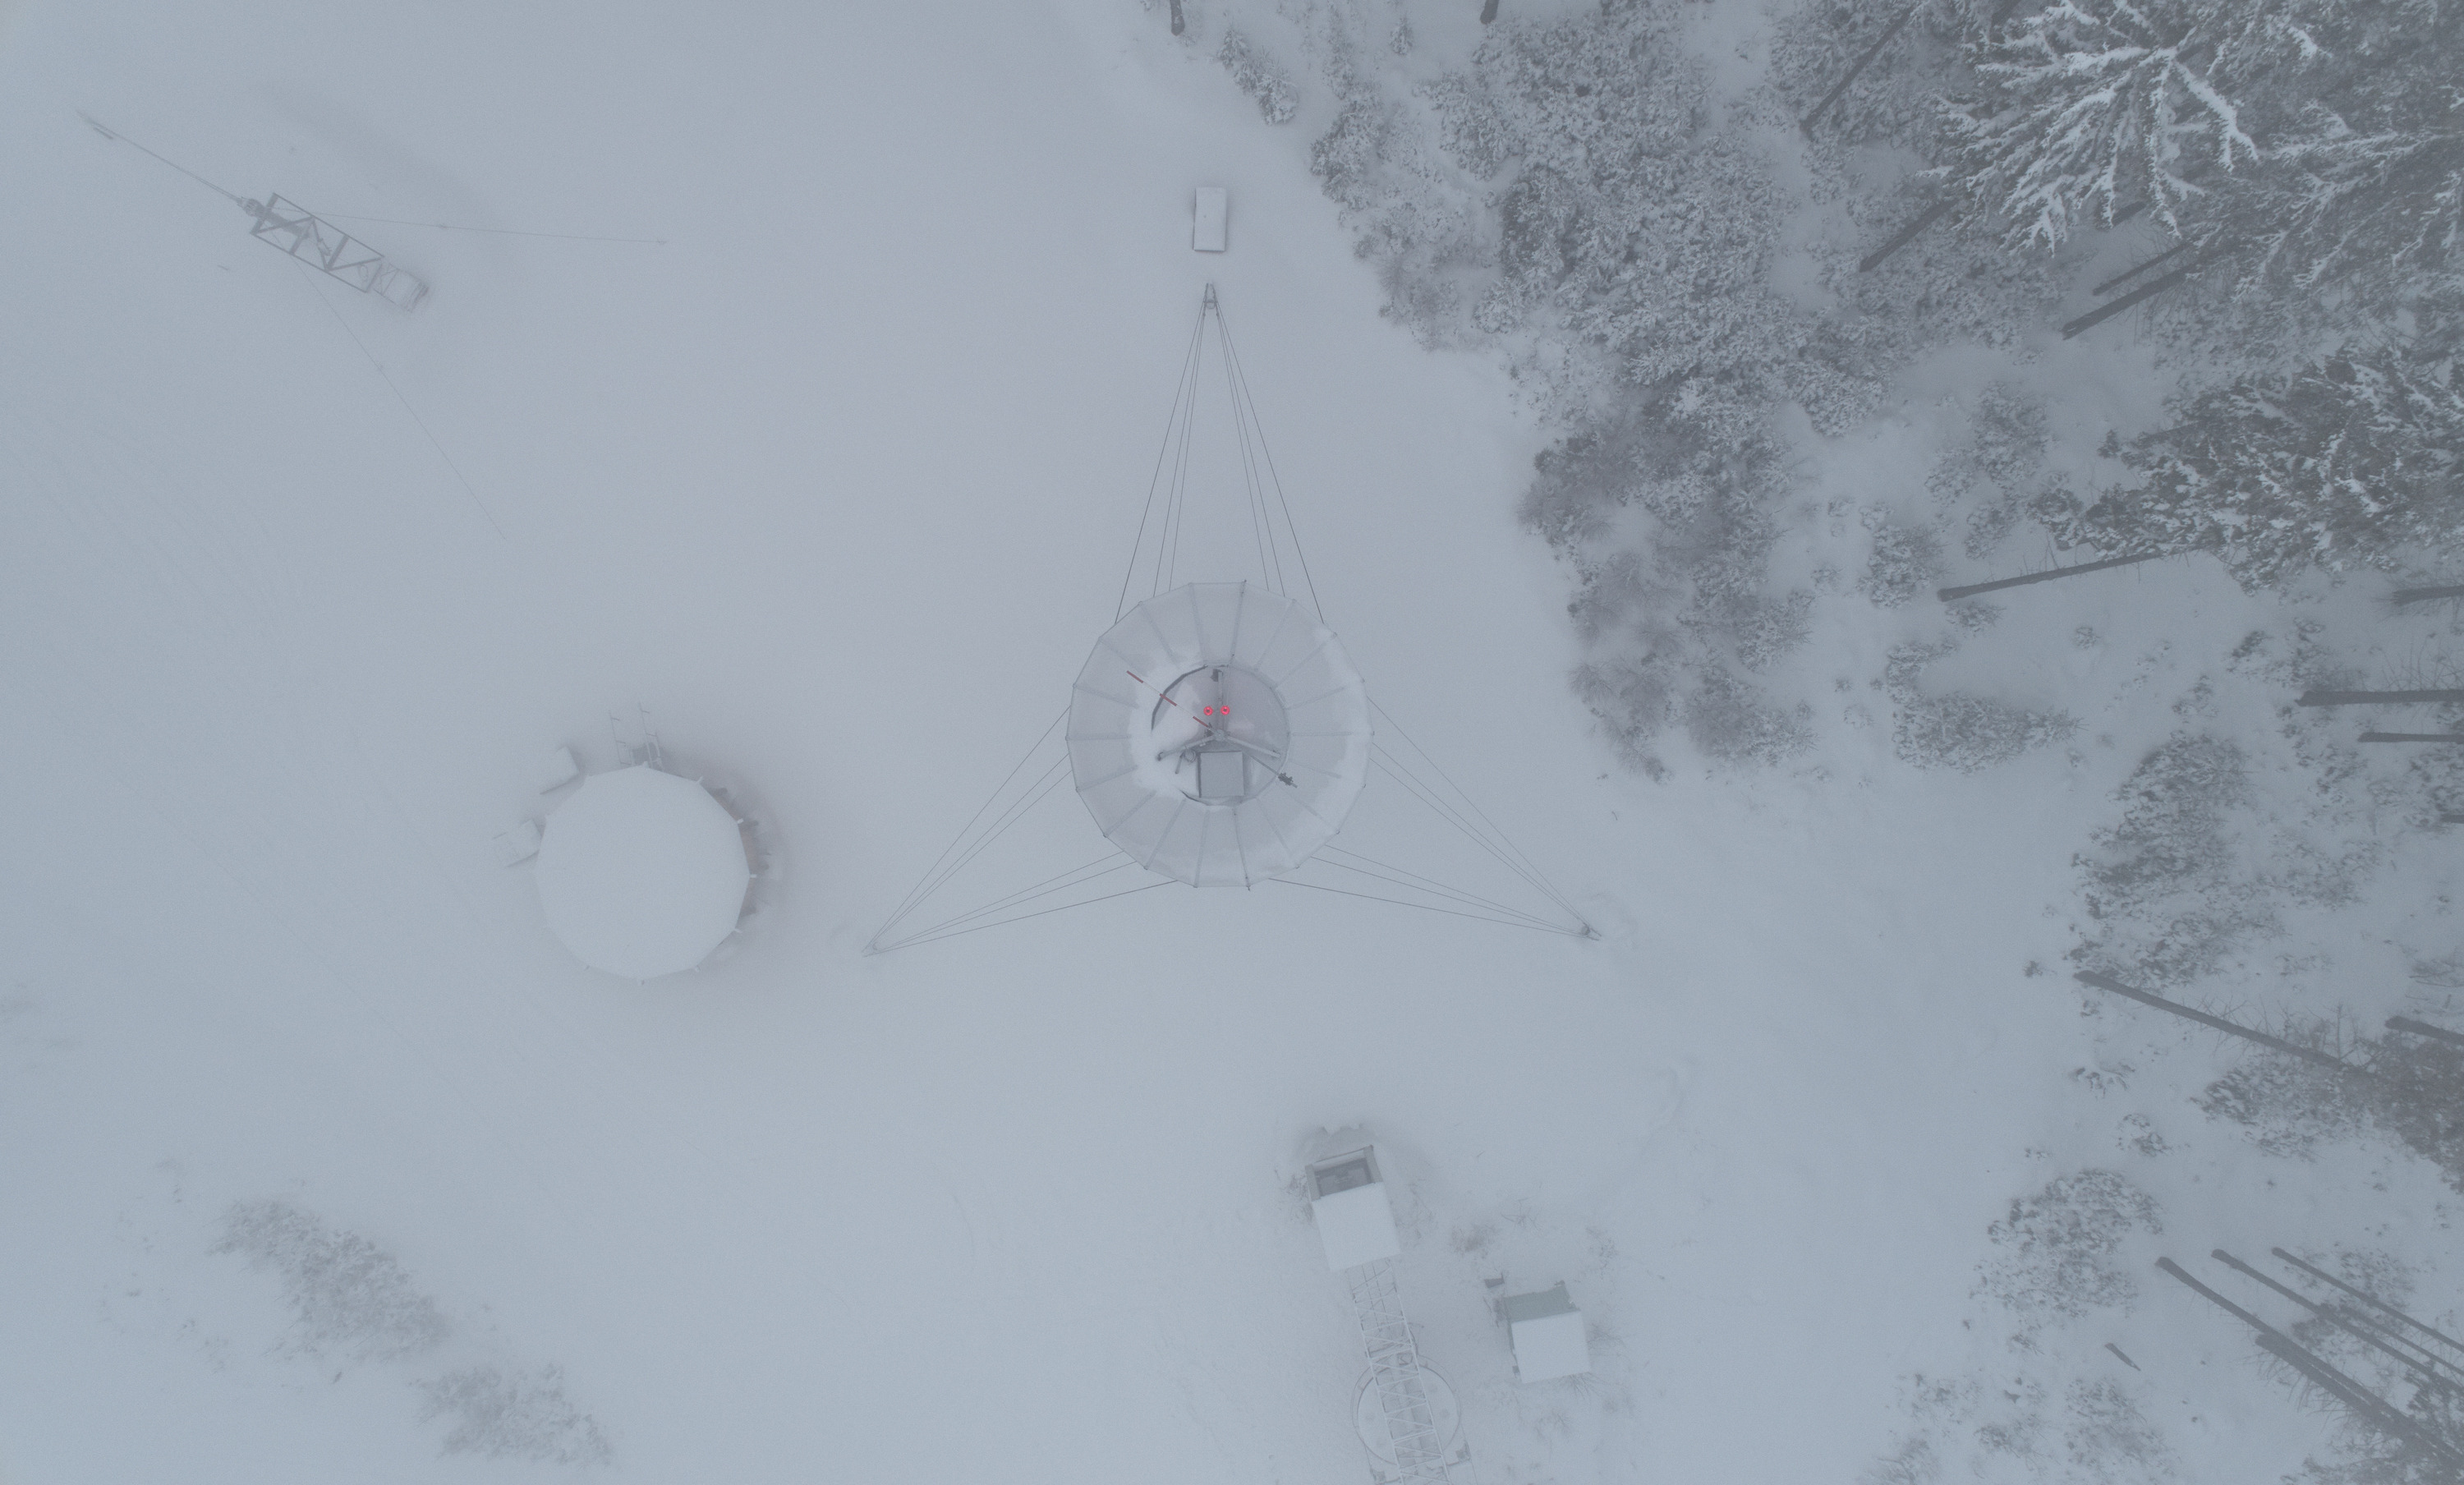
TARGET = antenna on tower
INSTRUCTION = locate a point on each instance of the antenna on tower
(302, 235)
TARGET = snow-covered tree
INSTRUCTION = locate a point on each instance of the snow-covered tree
(2358, 459)
(2360, 197)
(1631, 220)
(2091, 105)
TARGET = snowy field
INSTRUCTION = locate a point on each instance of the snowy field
(325, 1162)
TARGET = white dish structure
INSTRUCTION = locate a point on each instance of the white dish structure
(1218, 734)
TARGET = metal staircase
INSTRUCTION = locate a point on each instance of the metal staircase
(1396, 1375)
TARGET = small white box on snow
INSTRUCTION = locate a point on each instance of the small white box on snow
(1211, 227)
(1548, 1334)
(1354, 1222)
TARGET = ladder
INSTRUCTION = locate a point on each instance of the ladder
(1395, 1374)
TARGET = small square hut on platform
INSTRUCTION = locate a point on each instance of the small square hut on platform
(1354, 1222)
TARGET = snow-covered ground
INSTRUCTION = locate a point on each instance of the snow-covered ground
(831, 490)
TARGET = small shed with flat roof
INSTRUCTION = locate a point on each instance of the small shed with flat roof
(1548, 1334)
(1354, 1222)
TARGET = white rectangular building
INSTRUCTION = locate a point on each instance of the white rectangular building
(1211, 227)
(1354, 1223)
(1548, 1334)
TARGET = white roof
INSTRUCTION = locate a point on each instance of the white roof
(1302, 724)
(642, 873)
(1212, 209)
(1356, 1227)
(1550, 1346)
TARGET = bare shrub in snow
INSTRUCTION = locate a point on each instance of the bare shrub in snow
(2196, 868)
(1892, 102)
(1615, 597)
(1967, 733)
(2062, 1243)
(348, 1296)
(1996, 467)
(2435, 781)
(1416, 217)
(2005, 441)
(1952, 283)
(1701, 469)
(1633, 697)
(1729, 721)
(1760, 628)
(2413, 1088)
(2094, 1436)
(518, 1416)
(1632, 221)
(1256, 74)
(1469, 128)
(2139, 1135)
(1958, 731)
(1905, 562)
(2288, 1106)
(2164, 881)
(2106, 1438)
(1911, 1463)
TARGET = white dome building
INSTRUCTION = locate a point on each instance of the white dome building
(642, 873)
(1218, 735)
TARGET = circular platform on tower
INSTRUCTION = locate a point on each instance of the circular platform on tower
(1218, 734)
(1443, 1419)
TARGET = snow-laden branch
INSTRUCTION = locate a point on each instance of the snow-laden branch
(2093, 105)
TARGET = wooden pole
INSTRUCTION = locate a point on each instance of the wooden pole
(2133, 273)
(2099, 316)
(2412, 737)
(2423, 1028)
(2374, 1302)
(2366, 1405)
(2219, 1023)
(2450, 697)
(2405, 595)
(1908, 234)
(2424, 1366)
(1805, 125)
(1955, 594)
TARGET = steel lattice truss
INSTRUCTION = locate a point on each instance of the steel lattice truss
(328, 248)
(1395, 1374)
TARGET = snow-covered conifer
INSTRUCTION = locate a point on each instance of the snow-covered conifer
(2360, 199)
(1259, 75)
(2089, 106)
(2353, 460)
